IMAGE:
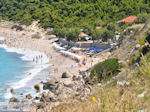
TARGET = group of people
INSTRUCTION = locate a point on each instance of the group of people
(38, 59)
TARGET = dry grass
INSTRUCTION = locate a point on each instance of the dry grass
(114, 98)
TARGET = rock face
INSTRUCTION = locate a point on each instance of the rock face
(52, 86)
(65, 75)
(69, 87)
(25, 101)
(13, 100)
(76, 78)
(68, 84)
(47, 97)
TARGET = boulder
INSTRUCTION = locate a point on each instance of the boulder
(37, 98)
(123, 83)
(99, 84)
(68, 84)
(76, 78)
(52, 86)
(142, 94)
(13, 100)
(25, 101)
(47, 99)
(29, 96)
(40, 105)
(137, 46)
(65, 75)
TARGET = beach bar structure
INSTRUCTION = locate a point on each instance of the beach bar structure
(83, 36)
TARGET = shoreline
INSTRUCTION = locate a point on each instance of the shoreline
(31, 73)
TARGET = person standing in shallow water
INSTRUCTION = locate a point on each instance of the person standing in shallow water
(33, 59)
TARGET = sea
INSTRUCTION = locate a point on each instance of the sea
(19, 72)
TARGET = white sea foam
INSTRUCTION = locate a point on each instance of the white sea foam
(2, 38)
(40, 62)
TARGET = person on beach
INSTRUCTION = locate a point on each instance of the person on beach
(37, 59)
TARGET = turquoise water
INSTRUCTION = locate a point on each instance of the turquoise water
(12, 69)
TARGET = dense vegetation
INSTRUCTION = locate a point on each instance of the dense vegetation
(105, 70)
(71, 13)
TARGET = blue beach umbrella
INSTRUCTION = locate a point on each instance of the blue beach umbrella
(96, 49)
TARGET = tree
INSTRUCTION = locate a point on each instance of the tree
(107, 34)
(73, 34)
(143, 18)
(103, 34)
(112, 26)
(71, 13)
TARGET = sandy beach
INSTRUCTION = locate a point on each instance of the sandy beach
(59, 63)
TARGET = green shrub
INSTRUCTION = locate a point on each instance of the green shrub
(145, 50)
(105, 70)
(103, 34)
(142, 42)
(112, 26)
(50, 33)
(133, 59)
(36, 37)
(143, 18)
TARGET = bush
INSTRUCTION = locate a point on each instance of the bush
(36, 37)
(143, 18)
(142, 42)
(73, 34)
(105, 70)
(112, 27)
(133, 59)
(50, 33)
(144, 39)
(103, 34)
(107, 34)
(145, 50)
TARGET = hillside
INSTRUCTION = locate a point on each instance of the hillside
(118, 83)
(71, 13)
(129, 91)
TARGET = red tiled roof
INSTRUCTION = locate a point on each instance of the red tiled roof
(129, 19)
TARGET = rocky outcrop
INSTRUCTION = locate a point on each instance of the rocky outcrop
(51, 86)
(65, 75)
(13, 100)
(67, 89)
(28, 96)
(48, 97)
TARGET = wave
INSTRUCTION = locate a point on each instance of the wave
(39, 62)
